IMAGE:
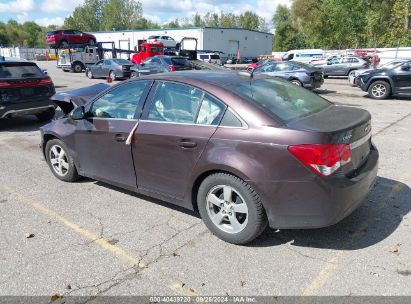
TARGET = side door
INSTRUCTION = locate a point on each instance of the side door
(106, 68)
(176, 125)
(68, 35)
(157, 66)
(100, 139)
(96, 69)
(402, 78)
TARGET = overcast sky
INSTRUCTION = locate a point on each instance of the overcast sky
(46, 12)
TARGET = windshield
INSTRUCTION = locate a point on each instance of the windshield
(281, 98)
(122, 61)
(19, 70)
(393, 64)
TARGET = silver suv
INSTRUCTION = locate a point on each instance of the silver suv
(343, 66)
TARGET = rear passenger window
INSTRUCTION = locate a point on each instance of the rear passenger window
(210, 111)
(174, 102)
(230, 120)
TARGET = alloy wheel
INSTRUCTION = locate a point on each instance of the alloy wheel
(227, 209)
(379, 90)
(58, 160)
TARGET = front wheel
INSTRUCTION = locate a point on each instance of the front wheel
(90, 74)
(112, 75)
(134, 75)
(296, 82)
(379, 90)
(231, 209)
(60, 161)
(77, 67)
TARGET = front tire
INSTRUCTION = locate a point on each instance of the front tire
(296, 82)
(77, 67)
(231, 209)
(379, 90)
(134, 75)
(60, 161)
(46, 115)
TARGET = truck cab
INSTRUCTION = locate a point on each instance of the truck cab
(147, 50)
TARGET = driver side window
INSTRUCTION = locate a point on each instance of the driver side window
(121, 102)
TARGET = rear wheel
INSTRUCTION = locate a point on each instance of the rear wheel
(60, 161)
(77, 67)
(64, 43)
(46, 115)
(296, 82)
(379, 90)
(89, 74)
(231, 209)
(92, 41)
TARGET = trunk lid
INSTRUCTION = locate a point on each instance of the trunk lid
(341, 125)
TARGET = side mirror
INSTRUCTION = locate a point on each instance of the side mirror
(78, 113)
(405, 67)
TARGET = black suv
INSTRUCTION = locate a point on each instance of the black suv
(382, 83)
(25, 90)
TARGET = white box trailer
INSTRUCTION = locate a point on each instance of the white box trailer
(227, 40)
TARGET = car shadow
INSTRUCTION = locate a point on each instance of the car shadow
(21, 124)
(376, 219)
(324, 91)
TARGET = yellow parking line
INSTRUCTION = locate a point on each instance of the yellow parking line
(117, 251)
(333, 263)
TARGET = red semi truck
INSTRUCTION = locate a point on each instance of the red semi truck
(147, 50)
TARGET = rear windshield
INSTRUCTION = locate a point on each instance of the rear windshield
(53, 33)
(153, 37)
(122, 61)
(215, 56)
(19, 70)
(155, 49)
(281, 98)
(179, 61)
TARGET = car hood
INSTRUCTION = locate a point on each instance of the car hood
(69, 100)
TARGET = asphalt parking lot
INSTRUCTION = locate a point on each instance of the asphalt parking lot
(89, 238)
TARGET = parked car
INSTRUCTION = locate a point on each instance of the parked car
(252, 66)
(25, 90)
(167, 41)
(298, 73)
(209, 57)
(160, 64)
(383, 83)
(244, 151)
(343, 66)
(113, 68)
(64, 37)
(389, 65)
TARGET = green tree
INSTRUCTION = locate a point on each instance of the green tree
(120, 14)
(249, 20)
(286, 37)
(4, 38)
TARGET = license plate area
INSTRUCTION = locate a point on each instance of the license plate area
(27, 91)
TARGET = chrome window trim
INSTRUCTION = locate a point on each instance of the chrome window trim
(112, 118)
(360, 142)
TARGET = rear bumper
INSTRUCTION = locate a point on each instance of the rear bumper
(28, 107)
(319, 202)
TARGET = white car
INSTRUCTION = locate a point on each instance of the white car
(352, 76)
(209, 57)
(167, 41)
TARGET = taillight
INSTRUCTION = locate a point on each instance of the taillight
(323, 159)
(4, 84)
(46, 80)
(172, 68)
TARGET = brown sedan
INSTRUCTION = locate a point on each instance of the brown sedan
(244, 151)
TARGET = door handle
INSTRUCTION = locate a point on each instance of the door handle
(187, 144)
(120, 138)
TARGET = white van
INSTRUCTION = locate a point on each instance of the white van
(306, 55)
(209, 57)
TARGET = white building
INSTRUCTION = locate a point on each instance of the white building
(226, 40)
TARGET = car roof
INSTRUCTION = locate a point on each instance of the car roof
(215, 78)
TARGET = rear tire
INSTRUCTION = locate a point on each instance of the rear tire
(379, 90)
(64, 43)
(231, 209)
(46, 115)
(92, 41)
(77, 67)
(89, 74)
(60, 161)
